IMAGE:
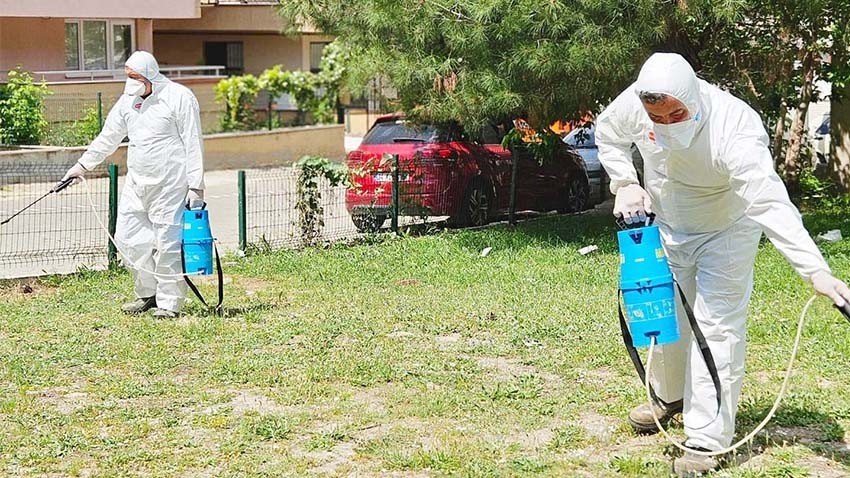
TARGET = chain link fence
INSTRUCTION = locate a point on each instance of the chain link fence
(396, 195)
(273, 215)
(59, 234)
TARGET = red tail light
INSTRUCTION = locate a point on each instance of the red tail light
(355, 155)
(437, 153)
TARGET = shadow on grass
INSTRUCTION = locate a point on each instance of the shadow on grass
(551, 231)
(247, 311)
(792, 425)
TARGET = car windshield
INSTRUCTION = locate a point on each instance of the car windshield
(581, 138)
(400, 131)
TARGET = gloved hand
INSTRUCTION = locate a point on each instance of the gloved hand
(632, 203)
(76, 171)
(826, 284)
(195, 199)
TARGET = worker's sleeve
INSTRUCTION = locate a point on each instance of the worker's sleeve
(189, 127)
(114, 130)
(615, 147)
(752, 177)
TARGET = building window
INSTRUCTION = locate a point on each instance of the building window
(72, 46)
(230, 55)
(316, 51)
(97, 44)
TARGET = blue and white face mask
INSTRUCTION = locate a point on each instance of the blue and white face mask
(677, 135)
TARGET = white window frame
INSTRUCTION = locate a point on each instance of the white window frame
(110, 44)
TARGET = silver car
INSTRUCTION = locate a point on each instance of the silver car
(584, 141)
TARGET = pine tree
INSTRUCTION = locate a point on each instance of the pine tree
(475, 60)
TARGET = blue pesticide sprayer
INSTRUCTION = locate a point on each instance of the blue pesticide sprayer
(647, 287)
(649, 294)
(198, 252)
(197, 242)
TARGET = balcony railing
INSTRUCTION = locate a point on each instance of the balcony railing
(172, 72)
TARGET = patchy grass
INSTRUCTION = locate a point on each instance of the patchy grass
(406, 357)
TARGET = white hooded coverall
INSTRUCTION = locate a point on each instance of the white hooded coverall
(164, 161)
(713, 200)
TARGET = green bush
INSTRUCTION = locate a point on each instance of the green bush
(238, 94)
(22, 109)
(77, 133)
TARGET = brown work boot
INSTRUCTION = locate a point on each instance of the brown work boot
(139, 306)
(692, 465)
(164, 314)
(640, 418)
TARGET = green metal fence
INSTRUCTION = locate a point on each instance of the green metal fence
(73, 119)
(61, 233)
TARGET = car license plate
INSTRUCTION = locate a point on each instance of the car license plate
(388, 177)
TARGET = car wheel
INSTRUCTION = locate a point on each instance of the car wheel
(576, 196)
(475, 209)
(368, 223)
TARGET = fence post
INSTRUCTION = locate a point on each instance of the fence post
(112, 251)
(99, 111)
(243, 236)
(270, 113)
(512, 206)
(394, 204)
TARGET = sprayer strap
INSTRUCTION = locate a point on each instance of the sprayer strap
(703, 347)
(698, 335)
(217, 308)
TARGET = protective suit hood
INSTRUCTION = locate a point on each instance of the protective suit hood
(146, 65)
(672, 75)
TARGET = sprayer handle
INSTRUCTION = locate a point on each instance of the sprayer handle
(845, 310)
(62, 185)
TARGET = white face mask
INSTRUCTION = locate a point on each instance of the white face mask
(134, 87)
(677, 135)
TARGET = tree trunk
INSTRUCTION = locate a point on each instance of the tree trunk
(778, 134)
(798, 125)
(839, 130)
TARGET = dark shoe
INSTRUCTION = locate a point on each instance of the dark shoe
(640, 418)
(692, 465)
(139, 306)
(164, 314)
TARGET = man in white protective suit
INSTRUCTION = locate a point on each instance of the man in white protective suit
(165, 172)
(709, 179)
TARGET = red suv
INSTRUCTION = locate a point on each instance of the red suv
(443, 172)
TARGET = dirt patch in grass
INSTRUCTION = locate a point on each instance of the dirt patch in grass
(504, 369)
(598, 426)
(448, 341)
(66, 400)
(246, 402)
(253, 284)
(66, 403)
(373, 399)
(18, 289)
(815, 465)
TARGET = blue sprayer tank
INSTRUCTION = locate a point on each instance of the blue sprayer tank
(648, 288)
(197, 242)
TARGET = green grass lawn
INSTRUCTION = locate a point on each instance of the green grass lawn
(406, 357)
